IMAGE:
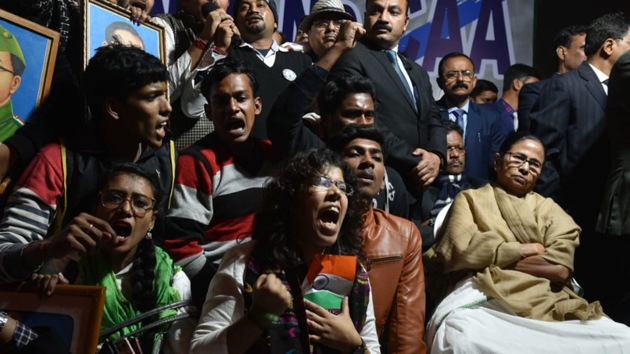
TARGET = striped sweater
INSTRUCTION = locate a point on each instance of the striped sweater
(214, 202)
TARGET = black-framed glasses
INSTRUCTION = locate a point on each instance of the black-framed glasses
(140, 203)
(518, 159)
(323, 23)
(2, 68)
(458, 148)
(323, 182)
(452, 75)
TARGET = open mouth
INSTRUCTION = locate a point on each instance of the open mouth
(161, 129)
(329, 219)
(235, 126)
(122, 229)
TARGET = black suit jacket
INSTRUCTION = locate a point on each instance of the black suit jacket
(527, 102)
(484, 136)
(571, 122)
(614, 215)
(416, 125)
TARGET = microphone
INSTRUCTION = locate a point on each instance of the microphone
(207, 8)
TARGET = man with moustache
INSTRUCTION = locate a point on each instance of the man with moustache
(481, 124)
(393, 247)
(275, 67)
(322, 25)
(404, 106)
(448, 183)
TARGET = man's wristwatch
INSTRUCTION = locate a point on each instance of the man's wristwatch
(4, 318)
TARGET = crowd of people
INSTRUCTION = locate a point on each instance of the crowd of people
(253, 196)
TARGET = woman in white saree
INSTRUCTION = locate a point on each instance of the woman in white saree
(500, 270)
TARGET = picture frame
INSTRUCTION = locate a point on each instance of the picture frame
(104, 23)
(73, 312)
(39, 45)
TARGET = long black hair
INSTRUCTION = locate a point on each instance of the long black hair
(142, 271)
(276, 245)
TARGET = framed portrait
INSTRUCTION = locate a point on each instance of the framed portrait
(27, 59)
(73, 312)
(106, 23)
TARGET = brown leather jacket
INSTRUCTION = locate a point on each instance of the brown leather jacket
(393, 247)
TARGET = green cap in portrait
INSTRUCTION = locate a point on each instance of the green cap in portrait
(8, 43)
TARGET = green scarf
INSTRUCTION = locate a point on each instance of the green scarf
(96, 270)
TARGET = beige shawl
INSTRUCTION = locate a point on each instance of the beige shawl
(483, 233)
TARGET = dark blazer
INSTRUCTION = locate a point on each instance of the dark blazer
(429, 197)
(614, 215)
(528, 101)
(571, 122)
(417, 125)
(484, 135)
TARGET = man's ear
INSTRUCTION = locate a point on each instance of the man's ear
(517, 84)
(112, 108)
(383, 183)
(258, 104)
(560, 52)
(15, 84)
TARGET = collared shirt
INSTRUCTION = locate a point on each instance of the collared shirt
(601, 77)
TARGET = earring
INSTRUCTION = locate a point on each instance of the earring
(148, 236)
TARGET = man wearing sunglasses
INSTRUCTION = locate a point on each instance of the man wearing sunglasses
(12, 65)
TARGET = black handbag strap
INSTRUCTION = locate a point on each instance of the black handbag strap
(175, 305)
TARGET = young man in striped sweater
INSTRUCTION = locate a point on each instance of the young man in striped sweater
(219, 179)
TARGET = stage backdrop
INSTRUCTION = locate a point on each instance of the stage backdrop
(494, 33)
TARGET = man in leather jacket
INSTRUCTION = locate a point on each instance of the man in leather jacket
(392, 245)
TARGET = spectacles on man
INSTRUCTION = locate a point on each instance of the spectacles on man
(2, 68)
(452, 75)
(323, 182)
(140, 204)
(457, 148)
(517, 159)
(324, 23)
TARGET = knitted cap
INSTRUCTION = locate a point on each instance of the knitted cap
(272, 6)
(8, 43)
(325, 8)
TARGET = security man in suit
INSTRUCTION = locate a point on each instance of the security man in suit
(405, 104)
(481, 124)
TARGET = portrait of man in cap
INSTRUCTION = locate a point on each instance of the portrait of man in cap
(12, 65)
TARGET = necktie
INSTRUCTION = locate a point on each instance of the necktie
(392, 56)
(605, 82)
(459, 117)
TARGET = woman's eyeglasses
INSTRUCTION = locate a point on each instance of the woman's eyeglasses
(518, 160)
(323, 182)
(140, 204)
